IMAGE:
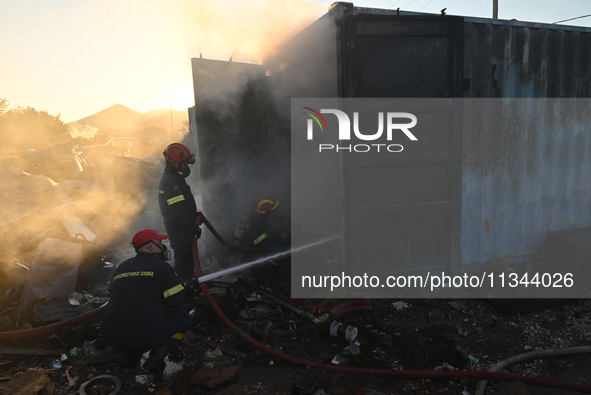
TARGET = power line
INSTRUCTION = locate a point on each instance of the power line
(169, 100)
(409, 4)
(572, 19)
(425, 5)
(394, 3)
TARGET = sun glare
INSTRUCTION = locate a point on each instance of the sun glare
(182, 98)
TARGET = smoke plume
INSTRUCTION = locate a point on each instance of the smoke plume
(244, 31)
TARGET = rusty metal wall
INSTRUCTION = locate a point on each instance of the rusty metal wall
(526, 163)
(414, 197)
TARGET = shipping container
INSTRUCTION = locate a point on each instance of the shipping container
(490, 189)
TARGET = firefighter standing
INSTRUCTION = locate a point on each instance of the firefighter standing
(178, 208)
(145, 308)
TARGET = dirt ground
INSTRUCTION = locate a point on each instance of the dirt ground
(425, 334)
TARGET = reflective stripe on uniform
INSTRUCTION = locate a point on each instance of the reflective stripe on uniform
(175, 199)
(173, 291)
(178, 336)
(260, 238)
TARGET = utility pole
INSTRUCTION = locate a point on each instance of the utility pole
(170, 102)
(495, 9)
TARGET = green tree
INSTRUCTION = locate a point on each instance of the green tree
(3, 106)
(26, 128)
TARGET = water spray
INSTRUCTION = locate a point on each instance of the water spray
(225, 272)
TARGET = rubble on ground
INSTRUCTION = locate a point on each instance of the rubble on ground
(57, 250)
(427, 334)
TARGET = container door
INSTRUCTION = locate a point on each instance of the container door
(402, 210)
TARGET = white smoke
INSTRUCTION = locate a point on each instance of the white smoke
(84, 131)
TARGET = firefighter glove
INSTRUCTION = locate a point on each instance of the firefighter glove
(197, 231)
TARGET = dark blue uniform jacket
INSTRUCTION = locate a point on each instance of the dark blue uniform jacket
(177, 204)
(143, 290)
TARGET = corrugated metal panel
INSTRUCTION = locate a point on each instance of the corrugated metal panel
(413, 198)
(526, 171)
(526, 165)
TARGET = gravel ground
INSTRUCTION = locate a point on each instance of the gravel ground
(420, 334)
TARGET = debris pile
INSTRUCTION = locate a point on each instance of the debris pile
(63, 226)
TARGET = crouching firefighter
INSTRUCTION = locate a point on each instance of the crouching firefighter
(178, 209)
(268, 232)
(145, 311)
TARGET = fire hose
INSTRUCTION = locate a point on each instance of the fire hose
(42, 330)
(400, 374)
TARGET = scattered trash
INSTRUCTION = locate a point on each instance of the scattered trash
(94, 352)
(338, 360)
(400, 305)
(353, 349)
(105, 384)
(217, 291)
(253, 297)
(210, 378)
(30, 382)
(348, 352)
(225, 281)
(275, 299)
(306, 380)
(247, 313)
(457, 306)
(214, 353)
(71, 381)
(473, 359)
(76, 228)
(271, 363)
(382, 337)
(324, 317)
(50, 310)
(54, 272)
(337, 329)
(143, 379)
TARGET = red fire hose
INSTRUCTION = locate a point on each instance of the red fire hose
(401, 374)
(42, 330)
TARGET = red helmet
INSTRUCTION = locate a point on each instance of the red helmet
(266, 204)
(177, 153)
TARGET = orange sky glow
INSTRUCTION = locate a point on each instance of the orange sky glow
(75, 58)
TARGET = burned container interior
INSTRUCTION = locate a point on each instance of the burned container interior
(490, 188)
(239, 158)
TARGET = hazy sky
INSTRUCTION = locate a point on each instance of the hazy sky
(75, 58)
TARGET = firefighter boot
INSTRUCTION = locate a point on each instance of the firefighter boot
(155, 362)
(129, 359)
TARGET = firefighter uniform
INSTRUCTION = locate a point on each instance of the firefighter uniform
(179, 212)
(269, 228)
(145, 309)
